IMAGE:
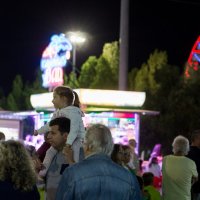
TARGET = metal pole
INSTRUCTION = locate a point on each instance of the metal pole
(74, 59)
(124, 45)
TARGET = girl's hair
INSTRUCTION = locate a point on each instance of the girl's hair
(16, 165)
(72, 96)
(116, 150)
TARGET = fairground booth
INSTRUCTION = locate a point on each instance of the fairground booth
(119, 110)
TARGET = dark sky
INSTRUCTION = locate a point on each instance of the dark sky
(26, 27)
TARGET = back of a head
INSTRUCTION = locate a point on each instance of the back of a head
(2, 136)
(180, 145)
(153, 160)
(195, 137)
(115, 152)
(140, 181)
(132, 143)
(147, 178)
(17, 165)
(99, 139)
(63, 124)
(31, 151)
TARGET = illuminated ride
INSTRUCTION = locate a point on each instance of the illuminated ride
(194, 59)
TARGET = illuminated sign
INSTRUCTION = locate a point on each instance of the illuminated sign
(194, 58)
(95, 97)
(54, 58)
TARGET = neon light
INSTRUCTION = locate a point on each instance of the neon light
(111, 97)
(55, 55)
(194, 58)
(96, 98)
(53, 77)
(54, 62)
(113, 115)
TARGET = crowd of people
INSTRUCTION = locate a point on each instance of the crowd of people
(76, 163)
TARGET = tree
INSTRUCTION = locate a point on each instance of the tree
(103, 78)
(72, 80)
(145, 78)
(11, 103)
(111, 54)
(141, 82)
(15, 99)
(88, 72)
(96, 73)
(132, 79)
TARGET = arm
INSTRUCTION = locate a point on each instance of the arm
(43, 129)
(194, 179)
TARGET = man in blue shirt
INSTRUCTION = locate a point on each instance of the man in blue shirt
(97, 176)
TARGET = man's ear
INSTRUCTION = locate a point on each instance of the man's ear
(87, 149)
(65, 135)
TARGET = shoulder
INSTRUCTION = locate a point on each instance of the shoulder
(71, 110)
(97, 164)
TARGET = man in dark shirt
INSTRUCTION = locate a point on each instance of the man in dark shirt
(194, 154)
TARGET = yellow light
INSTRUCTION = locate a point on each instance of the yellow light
(96, 98)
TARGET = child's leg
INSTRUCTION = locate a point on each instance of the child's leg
(76, 149)
(51, 152)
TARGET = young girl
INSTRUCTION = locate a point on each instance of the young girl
(67, 104)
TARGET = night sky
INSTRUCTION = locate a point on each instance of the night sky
(26, 28)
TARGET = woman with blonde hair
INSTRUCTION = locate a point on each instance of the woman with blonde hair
(17, 174)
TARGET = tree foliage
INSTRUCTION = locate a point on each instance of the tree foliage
(102, 72)
(88, 72)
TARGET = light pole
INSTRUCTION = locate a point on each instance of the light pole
(76, 38)
(124, 44)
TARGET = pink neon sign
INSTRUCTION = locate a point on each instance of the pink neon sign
(194, 58)
(53, 76)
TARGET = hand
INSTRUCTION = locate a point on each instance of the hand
(68, 152)
(35, 133)
(37, 164)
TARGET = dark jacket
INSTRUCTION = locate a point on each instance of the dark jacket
(194, 154)
(8, 192)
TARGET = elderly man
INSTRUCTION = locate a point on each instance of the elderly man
(97, 177)
(178, 171)
(194, 154)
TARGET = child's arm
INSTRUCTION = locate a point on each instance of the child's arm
(45, 128)
(42, 130)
